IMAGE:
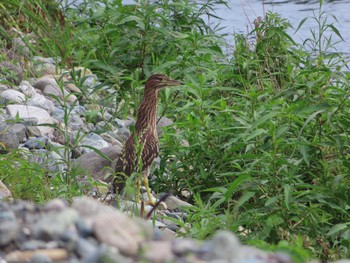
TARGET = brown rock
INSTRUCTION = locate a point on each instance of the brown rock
(98, 166)
(116, 229)
(73, 88)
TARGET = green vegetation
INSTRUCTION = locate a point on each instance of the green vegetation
(261, 139)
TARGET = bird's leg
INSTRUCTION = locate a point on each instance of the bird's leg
(150, 197)
(148, 190)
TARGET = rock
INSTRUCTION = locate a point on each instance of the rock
(27, 112)
(116, 229)
(55, 205)
(3, 87)
(36, 143)
(40, 258)
(172, 202)
(76, 123)
(54, 224)
(108, 254)
(57, 255)
(9, 139)
(20, 47)
(110, 139)
(5, 193)
(27, 89)
(9, 228)
(11, 73)
(96, 165)
(90, 80)
(158, 251)
(55, 91)
(41, 101)
(44, 60)
(20, 130)
(43, 82)
(71, 87)
(184, 246)
(93, 140)
(13, 96)
(224, 246)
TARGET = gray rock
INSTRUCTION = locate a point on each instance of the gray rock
(90, 80)
(45, 81)
(20, 47)
(36, 143)
(58, 114)
(53, 225)
(46, 69)
(61, 93)
(41, 101)
(29, 112)
(40, 258)
(9, 228)
(44, 60)
(125, 123)
(76, 123)
(20, 130)
(173, 202)
(78, 110)
(86, 249)
(3, 88)
(9, 139)
(93, 140)
(27, 89)
(108, 254)
(13, 96)
(33, 245)
(184, 246)
(158, 251)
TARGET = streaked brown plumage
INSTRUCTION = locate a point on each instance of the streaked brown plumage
(144, 140)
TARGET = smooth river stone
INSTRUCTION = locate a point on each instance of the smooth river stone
(30, 112)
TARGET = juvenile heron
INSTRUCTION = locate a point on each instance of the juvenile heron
(143, 142)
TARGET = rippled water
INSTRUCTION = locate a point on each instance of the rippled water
(238, 18)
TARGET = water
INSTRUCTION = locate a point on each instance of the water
(238, 17)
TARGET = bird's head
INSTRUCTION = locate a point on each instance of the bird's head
(159, 81)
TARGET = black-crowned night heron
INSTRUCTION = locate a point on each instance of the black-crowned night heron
(142, 146)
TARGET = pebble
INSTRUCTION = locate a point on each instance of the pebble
(88, 231)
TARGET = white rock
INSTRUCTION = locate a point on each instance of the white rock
(27, 89)
(13, 95)
(42, 102)
(30, 112)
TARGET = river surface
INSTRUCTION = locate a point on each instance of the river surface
(239, 16)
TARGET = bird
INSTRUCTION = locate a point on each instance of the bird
(142, 146)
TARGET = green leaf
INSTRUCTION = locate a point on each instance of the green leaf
(336, 229)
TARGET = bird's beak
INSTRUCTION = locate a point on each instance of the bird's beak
(173, 82)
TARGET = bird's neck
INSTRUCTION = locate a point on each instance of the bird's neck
(147, 113)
